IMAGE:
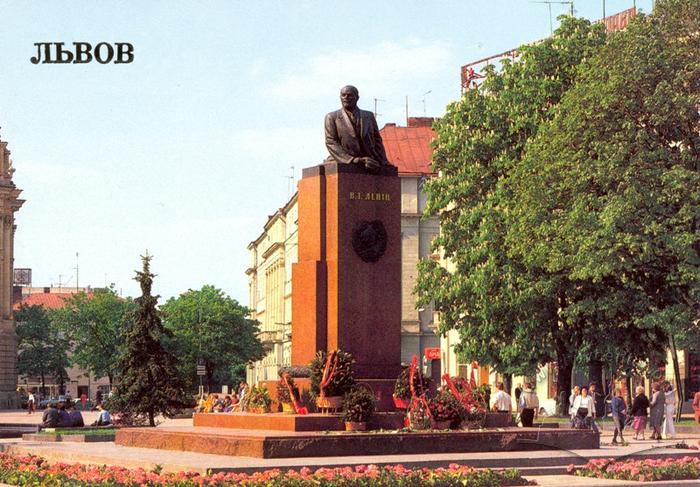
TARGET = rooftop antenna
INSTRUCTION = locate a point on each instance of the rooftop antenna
(290, 182)
(376, 100)
(77, 269)
(549, 3)
(426, 93)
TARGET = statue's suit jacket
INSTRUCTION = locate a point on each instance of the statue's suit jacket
(344, 145)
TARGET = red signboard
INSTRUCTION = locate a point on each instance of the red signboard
(432, 353)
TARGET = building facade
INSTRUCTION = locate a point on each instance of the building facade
(80, 381)
(275, 250)
(9, 204)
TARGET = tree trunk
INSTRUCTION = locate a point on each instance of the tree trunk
(508, 383)
(595, 375)
(43, 384)
(677, 375)
(628, 383)
(151, 418)
(565, 365)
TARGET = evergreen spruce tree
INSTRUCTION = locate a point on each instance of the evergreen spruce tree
(149, 384)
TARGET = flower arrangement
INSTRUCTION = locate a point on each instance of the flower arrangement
(685, 468)
(446, 407)
(331, 373)
(359, 405)
(402, 389)
(283, 394)
(32, 470)
(257, 400)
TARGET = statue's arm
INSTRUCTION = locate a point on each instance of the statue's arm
(378, 142)
(333, 142)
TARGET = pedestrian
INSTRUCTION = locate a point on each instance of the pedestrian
(83, 401)
(502, 402)
(75, 417)
(50, 417)
(696, 406)
(585, 409)
(669, 431)
(619, 409)
(656, 410)
(518, 391)
(104, 419)
(575, 392)
(639, 412)
(31, 403)
(529, 405)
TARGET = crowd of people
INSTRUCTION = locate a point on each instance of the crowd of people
(223, 403)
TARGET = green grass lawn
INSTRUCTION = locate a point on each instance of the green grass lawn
(79, 431)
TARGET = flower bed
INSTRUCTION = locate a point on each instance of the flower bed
(32, 470)
(686, 468)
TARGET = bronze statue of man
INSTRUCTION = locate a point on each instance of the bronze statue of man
(352, 135)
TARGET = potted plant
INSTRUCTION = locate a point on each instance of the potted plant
(446, 410)
(418, 414)
(402, 388)
(474, 418)
(284, 393)
(358, 407)
(331, 377)
(257, 400)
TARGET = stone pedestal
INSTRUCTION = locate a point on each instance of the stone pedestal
(8, 370)
(346, 286)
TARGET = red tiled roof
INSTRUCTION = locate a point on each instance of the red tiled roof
(47, 300)
(408, 148)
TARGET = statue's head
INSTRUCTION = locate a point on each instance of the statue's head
(349, 96)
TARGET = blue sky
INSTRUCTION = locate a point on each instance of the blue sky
(186, 151)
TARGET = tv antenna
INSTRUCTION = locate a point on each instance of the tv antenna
(423, 100)
(376, 101)
(549, 3)
(290, 182)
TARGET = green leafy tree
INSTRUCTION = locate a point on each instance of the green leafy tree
(94, 325)
(211, 326)
(609, 187)
(506, 311)
(43, 350)
(149, 384)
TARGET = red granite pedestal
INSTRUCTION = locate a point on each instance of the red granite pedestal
(346, 285)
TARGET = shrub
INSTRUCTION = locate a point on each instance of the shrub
(340, 376)
(359, 405)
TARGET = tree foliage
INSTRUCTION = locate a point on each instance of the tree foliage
(506, 312)
(608, 190)
(94, 324)
(209, 325)
(42, 349)
(149, 384)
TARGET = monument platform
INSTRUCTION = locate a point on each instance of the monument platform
(282, 444)
(292, 422)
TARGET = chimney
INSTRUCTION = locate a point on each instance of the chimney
(420, 121)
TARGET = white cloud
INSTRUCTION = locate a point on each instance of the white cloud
(376, 69)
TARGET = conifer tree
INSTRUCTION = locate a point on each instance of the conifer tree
(149, 385)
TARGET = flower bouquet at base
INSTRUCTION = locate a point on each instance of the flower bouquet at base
(446, 410)
(257, 400)
(331, 378)
(358, 406)
(402, 388)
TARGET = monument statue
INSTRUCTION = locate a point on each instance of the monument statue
(352, 135)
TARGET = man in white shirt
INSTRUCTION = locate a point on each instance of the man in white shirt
(529, 406)
(501, 400)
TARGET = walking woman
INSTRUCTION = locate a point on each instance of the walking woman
(585, 408)
(639, 412)
(618, 414)
(656, 410)
(669, 431)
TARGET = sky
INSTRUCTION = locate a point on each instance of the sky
(186, 151)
